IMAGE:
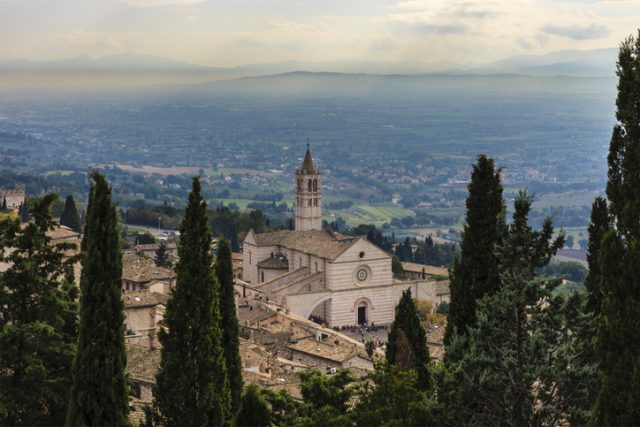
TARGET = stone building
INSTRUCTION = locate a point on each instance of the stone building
(141, 273)
(144, 313)
(320, 274)
(14, 198)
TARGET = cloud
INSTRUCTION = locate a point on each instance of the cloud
(577, 32)
(81, 37)
(163, 2)
(293, 27)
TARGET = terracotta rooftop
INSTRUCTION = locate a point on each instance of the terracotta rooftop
(136, 411)
(143, 270)
(143, 299)
(428, 269)
(62, 232)
(153, 247)
(275, 263)
(435, 339)
(142, 363)
(322, 243)
(236, 256)
(341, 352)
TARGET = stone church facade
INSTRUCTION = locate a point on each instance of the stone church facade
(320, 274)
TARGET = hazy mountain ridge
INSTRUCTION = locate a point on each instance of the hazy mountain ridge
(303, 83)
(590, 60)
(144, 70)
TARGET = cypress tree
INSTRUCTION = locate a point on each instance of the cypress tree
(38, 322)
(508, 369)
(600, 224)
(70, 217)
(24, 211)
(229, 322)
(618, 337)
(4, 203)
(254, 411)
(162, 256)
(235, 245)
(99, 390)
(475, 273)
(407, 322)
(191, 384)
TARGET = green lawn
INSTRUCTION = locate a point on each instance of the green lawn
(369, 214)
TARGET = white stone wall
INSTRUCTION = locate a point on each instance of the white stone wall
(341, 272)
(342, 305)
(251, 256)
(140, 319)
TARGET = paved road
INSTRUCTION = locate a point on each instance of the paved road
(153, 230)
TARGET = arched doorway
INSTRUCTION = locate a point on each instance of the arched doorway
(362, 313)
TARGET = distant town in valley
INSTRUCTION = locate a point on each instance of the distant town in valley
(319, 214)
(398, 159)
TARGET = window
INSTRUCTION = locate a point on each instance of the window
(310, 202)
(316, 266)
(135, 390)
(315, 185)
(249, 257)
(310, 185)
(262, 276)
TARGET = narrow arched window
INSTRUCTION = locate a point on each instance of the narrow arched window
(315, 185)
(310, 185)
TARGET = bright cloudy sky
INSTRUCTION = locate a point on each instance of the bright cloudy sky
(233, 32)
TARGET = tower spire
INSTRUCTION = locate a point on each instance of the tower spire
(308, 166)
(308, 214)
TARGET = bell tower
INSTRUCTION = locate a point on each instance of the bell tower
(308, 196)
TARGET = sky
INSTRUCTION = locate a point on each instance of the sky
(236, 32)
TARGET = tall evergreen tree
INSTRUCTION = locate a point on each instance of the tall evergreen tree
(600, 224)
(618, 338)
(391, 397)
(407, 321)
(162, 256)
(192, 387)
(254, 411)
(70, 217)
(4, 203)
(229, 322)
(38, 322)
(475, 273)
(508, 368)
(99, 391)
(235, 246)
(24, 211)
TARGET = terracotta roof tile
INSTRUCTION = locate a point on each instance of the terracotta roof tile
(143, 270)
(322, 243)
(275, 263)
(143, 299)
(142, 363)
(428, 269)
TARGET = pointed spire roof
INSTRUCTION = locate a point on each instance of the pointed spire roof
(307, 164)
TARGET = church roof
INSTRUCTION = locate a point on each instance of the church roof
(307, 164)
(321, 243)
(274, 263)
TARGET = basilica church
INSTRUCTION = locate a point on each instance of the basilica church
(321, 274)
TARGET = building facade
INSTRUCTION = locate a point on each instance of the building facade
(320, 274)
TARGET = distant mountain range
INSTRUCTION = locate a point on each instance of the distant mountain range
(148, 69)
